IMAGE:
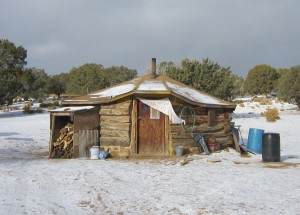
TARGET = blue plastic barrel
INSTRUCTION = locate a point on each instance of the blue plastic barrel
(254, 143)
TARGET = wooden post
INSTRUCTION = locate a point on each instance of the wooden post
(167, 144)
(133, 130)
(52, 123)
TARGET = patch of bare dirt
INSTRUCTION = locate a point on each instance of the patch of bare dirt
(281, 165)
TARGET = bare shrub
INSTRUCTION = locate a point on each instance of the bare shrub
(265, 102)
(271, 115)
(256, 99)
(27, 109)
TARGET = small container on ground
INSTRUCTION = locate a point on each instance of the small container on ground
(95, 150)
(179, 150)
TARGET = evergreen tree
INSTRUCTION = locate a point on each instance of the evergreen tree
(12, 61)
(288, 87)
(261, 79)
(206, 76)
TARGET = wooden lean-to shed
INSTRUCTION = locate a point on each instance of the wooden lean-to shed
(152, 114)
(73, 130)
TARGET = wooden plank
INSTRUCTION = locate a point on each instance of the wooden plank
(60, 114)
(86, 120)
(200, 119)
(115, 112)
(183, 142)
(113, 133)
(114, 119)
(167, 149)
(134, 119)
(176, 128)
(236, 143)
(200, 128)
(52, 123)
(125, 105)
(183, 135)
(115, 126)
(114, 141)
(75, 145)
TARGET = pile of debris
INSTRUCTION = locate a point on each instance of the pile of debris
(63, 146)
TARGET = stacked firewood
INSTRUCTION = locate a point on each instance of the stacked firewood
(63, 146)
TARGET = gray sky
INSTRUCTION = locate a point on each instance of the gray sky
(59, 34)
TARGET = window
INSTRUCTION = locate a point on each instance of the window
(154, 114)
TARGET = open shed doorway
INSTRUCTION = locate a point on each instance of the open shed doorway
(151, 131)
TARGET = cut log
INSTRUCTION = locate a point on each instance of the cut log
(113, 133)
(184, 142)
(123, 105)
(114, 119)
(63, 146)
(114, 141)
(115, 126)
(56, 143)
(197, 128)
(116, 112)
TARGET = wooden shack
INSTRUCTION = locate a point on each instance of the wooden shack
(73, 130)
(152, 114)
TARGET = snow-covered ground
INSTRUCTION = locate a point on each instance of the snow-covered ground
(30, 183)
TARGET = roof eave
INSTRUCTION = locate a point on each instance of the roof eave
(231, 106)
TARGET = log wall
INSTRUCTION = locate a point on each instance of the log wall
(219, 129)
(115, 124)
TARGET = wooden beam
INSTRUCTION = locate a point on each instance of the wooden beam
(115, 126)
(122, 105)
(114, 119)
(116, 112)
(198, 128)
(133, 137)
(113, 133)
(167, 144)
(183, 142)
(114, 141)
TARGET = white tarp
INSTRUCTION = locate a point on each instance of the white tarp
(164, 106)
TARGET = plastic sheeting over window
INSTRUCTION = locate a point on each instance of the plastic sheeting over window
(164, 106)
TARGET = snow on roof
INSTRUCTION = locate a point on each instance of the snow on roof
(152, 85)
(194, 95)
(72, 109)
(161, 84)
(115, 91)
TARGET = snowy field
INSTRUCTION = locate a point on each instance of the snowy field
(30, 183)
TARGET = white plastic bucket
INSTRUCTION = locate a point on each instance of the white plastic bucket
(179, 150)
(95, 150)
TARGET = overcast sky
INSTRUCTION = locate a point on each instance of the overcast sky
(59, 34)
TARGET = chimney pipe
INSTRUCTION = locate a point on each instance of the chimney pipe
(153, 74)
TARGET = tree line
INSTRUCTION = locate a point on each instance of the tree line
(206, 75)
(210, 77)
(16, 80)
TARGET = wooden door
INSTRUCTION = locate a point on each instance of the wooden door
(151, 131)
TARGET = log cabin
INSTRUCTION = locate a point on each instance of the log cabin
(149, 116)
